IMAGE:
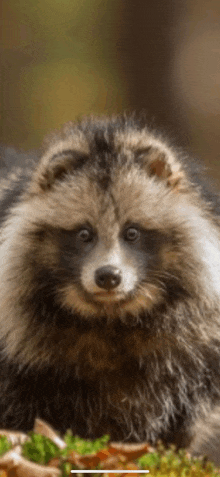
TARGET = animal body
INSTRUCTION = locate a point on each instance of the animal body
(110, 288)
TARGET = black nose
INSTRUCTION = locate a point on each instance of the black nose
(107, 277)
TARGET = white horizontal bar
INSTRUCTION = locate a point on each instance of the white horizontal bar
(81, 471)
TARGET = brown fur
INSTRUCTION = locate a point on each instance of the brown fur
(141, 362)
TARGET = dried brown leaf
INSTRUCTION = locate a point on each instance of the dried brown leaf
(41, 427)
(14, 437)
(16, 466)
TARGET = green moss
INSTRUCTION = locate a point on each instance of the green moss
(39, 449)
(84, 446)
(161, 463)
(172, 463)
(5, 446)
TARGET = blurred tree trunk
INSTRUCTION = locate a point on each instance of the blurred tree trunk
(147, 41)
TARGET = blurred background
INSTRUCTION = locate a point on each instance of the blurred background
(62, 59)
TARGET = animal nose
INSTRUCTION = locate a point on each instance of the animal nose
(107, 277)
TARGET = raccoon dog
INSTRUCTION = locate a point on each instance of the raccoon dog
(110, 288)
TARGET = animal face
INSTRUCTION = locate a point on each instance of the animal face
(106, 217)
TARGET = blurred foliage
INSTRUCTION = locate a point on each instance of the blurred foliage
(58, 63)
(61, 60)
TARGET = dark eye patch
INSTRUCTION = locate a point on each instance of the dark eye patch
(146, 249)
(132, 234)
(73, 250)
(153, 239)
(150, 239)
(74, 245)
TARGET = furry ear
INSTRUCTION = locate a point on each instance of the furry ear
(54, 167)
(161, 163)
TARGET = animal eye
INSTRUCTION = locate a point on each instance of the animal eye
(85, 235)
(132, 234)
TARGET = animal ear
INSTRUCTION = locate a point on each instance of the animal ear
(55, 166)
(161, 163)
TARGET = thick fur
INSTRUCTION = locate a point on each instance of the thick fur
(141, 361)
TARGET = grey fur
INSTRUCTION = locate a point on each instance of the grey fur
(140, 361)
